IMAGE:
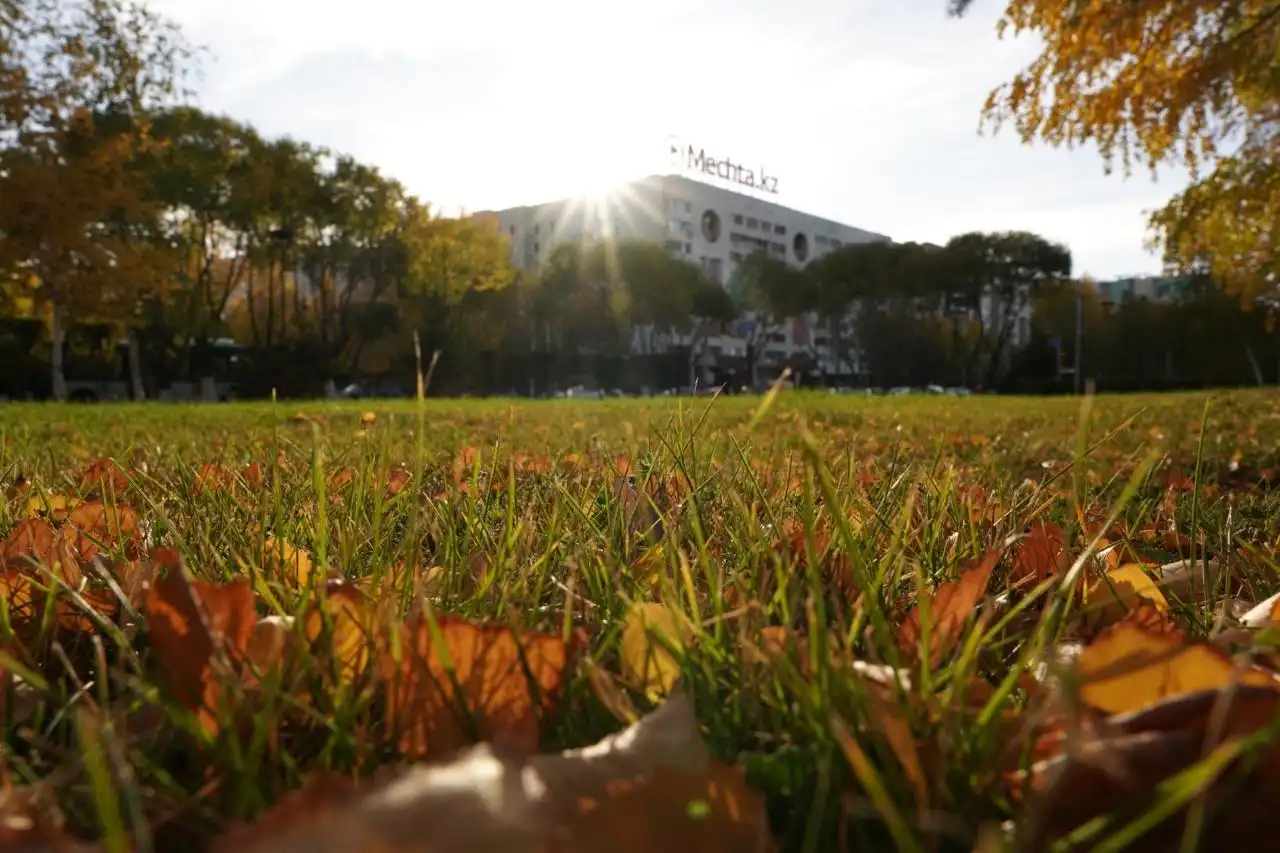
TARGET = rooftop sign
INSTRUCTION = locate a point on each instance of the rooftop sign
(697, 160)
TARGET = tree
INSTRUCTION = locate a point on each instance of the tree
(763, 289)
(447, 260)
(994, 277)
(75, 216)
(1162, 82)
(201, 174)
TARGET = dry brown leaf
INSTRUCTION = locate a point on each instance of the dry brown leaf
(1041, 555)
(650, 787)
(193, 623)
(952, 605)
(472, 686)
(93, 525)
(1128, 755)
(34, 540)
(397, 480)
(104, 478)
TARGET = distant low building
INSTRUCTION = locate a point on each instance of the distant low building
(1157, 288)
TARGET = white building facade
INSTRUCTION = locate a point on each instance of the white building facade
(711, 226)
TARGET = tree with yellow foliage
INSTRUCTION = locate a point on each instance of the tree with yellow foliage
(77, 225)
(1157, 82)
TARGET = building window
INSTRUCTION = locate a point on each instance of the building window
(536, 248)
(765, 226)
(800, 246)
(513, 231)
(836, 243)
(821, 240)
(710, 226)
(714, 269)
(674, 246)
(686, 205)
(536, 228)
(688, 248)
(752, 223)
(736, 257)
(779, 229)
(737, 219)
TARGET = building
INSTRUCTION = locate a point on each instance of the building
(1157, 288)
(711, 226)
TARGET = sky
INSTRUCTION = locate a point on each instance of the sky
(866, 111)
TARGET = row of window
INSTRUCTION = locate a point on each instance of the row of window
(762, 224)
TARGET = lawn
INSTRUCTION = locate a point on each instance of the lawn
(825, 623)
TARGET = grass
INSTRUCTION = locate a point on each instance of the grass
(820, 515)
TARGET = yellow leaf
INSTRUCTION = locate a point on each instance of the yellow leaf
(46, 505)
(649, 636)
(368, 418)
(294, 563)
(1128, 667)
(1110, 598)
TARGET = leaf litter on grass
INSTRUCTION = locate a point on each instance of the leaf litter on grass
(941, 642)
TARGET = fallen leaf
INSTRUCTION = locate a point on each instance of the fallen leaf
(1115, 594)
(292, 564)
(649, 635)
(1040, 555)
(1265, 614)
(650, 787)
(193, 623)
(472, 685)
(351, 626)
(104, 479)
(951, 606)
(1128, 667)
(95, 524)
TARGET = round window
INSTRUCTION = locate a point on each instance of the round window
(800, 246)
(711, 226)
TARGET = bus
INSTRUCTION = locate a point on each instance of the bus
(95, 364)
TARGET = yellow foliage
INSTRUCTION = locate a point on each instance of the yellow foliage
(1154, 81)
(650, 634)
(1111, 597)
(1129, 667)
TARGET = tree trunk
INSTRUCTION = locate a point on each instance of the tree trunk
(135, 367)
(59, 338)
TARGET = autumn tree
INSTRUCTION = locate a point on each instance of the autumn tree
(80, 80)
(1165, 82)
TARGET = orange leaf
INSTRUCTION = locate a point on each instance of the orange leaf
(351, 626)
(1129, 666)
(96, 523)
(1040, 555)
(104, 478)
(428, 705)
(953, 603)
(191, 624)
(397, 479)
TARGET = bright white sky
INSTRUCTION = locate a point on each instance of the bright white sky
(865, 110)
